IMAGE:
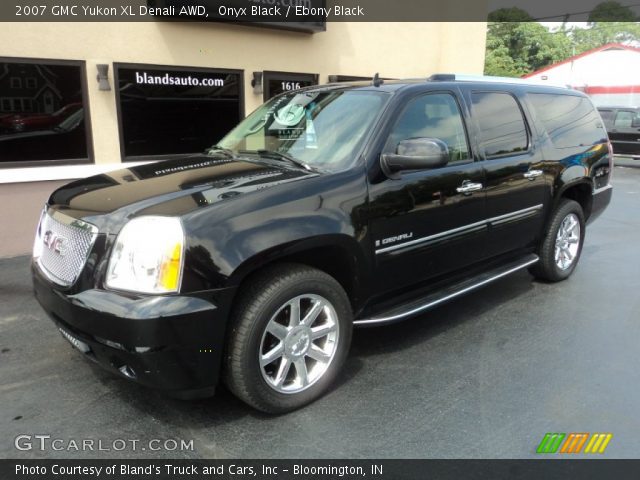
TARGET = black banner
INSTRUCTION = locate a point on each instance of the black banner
(306, 15)
(318, 469)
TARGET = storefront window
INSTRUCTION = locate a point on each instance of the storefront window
(172, 110)
(42, 113)
(276, 83)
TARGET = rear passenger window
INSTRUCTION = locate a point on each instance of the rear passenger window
(502, 127)
(569, 120)
(626, 119)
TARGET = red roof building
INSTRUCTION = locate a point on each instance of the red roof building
(609, 74)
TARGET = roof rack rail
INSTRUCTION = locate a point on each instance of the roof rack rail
(442, 77)
(451, 77)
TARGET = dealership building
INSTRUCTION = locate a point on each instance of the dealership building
(78, 99)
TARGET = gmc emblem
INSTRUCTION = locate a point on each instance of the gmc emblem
(54, 242)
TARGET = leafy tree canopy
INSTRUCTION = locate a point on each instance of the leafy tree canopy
(611, 11)
(517, 45)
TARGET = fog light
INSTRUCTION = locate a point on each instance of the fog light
(127, 371)
(109, 343)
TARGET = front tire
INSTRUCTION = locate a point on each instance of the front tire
(561, 246)
(289, 337)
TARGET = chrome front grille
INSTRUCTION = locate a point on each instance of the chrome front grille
(62, 246)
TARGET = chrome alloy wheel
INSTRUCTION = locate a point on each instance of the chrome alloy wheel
(567, 242)
(299, 343)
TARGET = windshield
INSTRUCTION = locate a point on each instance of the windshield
(323, 130)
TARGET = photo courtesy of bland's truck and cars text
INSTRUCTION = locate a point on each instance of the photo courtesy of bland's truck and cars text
(319, 239)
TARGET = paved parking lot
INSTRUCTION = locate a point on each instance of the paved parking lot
(486, 376)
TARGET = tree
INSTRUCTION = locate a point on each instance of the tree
(601, 33)
(517, 48)
(513, 14)
(611, 12)
(517, 45)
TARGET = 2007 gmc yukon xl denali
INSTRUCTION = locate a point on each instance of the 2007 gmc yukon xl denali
(328, 207)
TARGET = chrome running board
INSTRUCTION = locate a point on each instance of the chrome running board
(434, 299)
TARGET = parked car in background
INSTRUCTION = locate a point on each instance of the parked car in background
(29, 122)
(329, 207)
(623, 127)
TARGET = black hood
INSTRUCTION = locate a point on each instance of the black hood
(205, 179)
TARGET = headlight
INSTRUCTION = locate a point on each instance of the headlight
(148, 256)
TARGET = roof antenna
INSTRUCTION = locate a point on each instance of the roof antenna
(377, 81)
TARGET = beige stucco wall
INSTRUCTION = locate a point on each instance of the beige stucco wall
(398, 50)
(20, 207)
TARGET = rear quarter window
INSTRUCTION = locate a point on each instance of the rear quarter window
(569, 120)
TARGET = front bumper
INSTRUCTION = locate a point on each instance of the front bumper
(172, 343)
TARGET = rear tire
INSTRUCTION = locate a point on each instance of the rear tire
(289, 336)
(561, 246)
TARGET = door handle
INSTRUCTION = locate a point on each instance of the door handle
(533, 174)
(468, 187)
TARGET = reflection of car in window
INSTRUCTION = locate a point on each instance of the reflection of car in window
(327, 208)
(66, 138)
(37, 121)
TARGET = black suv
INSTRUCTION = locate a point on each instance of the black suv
(328, 207)
(623, 127)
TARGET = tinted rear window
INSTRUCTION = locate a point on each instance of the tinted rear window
(570, 121)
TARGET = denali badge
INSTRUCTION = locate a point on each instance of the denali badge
(54, 242)
(397, 238)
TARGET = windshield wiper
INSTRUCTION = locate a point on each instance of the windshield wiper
(281, 156)
(218, 149)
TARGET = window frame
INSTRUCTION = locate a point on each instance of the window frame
(465, 128)
(90, 159)
(476, 117)
(174, 68)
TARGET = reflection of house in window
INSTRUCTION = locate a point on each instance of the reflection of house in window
(16, 105)
(26, 87)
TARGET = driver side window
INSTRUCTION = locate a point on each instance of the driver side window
(432, 116)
